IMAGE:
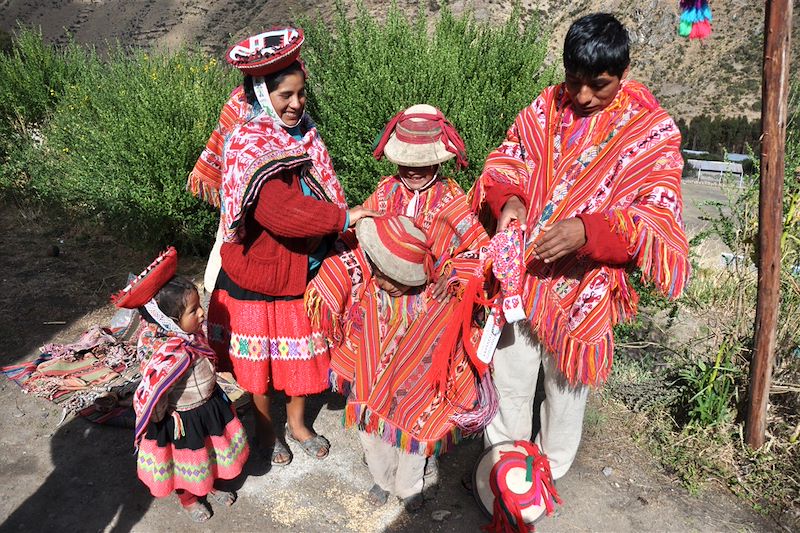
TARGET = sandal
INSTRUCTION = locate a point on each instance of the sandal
(277, 450)
(312, 446)
(222, 497)
(377, 496)
(198, 512)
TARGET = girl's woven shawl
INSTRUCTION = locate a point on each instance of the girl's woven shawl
(164, 357)
(205, 179)
(382, 353)
(624, 162)
(259, 150)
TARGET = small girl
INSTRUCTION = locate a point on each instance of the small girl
(187, 432)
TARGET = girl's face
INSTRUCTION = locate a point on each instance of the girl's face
(193, 315)
(289, 98)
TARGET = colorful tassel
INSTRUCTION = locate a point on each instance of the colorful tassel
(695, 19)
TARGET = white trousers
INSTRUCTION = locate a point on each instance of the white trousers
(392, 469)
(516, 370)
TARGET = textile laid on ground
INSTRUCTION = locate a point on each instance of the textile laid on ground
(74, 375)
(624, 162)
(188, 449)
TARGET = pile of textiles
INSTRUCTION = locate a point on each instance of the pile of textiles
(101, 365)
(95, 377)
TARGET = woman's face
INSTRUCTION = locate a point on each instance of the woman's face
(416, 178)
(289, 98)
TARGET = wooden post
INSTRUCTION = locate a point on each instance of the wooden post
(774, 98)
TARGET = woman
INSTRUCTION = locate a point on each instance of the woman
(409, 399)
(281, 206)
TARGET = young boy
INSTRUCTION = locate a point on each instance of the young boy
(373, 299)
(591, 170)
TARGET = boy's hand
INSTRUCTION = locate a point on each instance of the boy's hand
(513, 210)
(440, 291)
(562, 238)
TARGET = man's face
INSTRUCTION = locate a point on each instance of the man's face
(592, 95)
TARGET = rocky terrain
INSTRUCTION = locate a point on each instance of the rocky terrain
(720, 76)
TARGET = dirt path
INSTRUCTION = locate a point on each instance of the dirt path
(81, 477)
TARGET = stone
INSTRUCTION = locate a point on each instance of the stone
(440, 515)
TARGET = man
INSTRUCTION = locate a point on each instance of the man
(591, 172)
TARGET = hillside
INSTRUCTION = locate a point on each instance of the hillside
(719, 77)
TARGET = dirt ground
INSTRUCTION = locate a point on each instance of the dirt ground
(82, 477)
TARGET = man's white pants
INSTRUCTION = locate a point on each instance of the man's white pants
(516, 370)
(392, 469)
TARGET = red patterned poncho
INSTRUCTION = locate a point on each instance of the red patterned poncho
(383, 346)
(205, 179)
(623, 162)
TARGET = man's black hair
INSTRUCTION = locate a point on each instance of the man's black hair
(595, 44)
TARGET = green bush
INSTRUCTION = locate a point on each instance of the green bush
(365, 71)
(113, 138)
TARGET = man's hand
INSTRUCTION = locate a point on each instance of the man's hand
(562, 238)
(513, 210)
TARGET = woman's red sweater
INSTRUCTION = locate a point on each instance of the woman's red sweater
(281, 230)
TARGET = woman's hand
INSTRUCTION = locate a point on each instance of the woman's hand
(358, 212)
(560, 239)
(513, 210)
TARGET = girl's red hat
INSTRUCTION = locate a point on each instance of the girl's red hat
(144, 287)
(266, 53)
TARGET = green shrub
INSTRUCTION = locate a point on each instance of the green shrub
(119, 139)
(113, 139)
(365, 71)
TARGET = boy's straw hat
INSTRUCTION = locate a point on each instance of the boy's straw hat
(420, 136)
(397, 247)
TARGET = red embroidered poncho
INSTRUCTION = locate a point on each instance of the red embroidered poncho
(623, 162)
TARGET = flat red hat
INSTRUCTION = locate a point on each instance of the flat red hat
(144, 287)
(266, 53)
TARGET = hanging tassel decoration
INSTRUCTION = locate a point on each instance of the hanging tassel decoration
(695, 19)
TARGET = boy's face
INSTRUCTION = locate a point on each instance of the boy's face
(392, 287)
(592, 95)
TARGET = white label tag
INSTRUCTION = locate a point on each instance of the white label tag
(490, 337)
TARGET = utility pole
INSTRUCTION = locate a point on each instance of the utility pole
(774, 98)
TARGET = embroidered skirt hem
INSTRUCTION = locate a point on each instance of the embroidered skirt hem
(213, 446)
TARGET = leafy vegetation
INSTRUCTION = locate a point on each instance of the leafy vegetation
(111, 139)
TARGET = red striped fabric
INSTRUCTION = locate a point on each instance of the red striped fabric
(383, 345)
(624, 162)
